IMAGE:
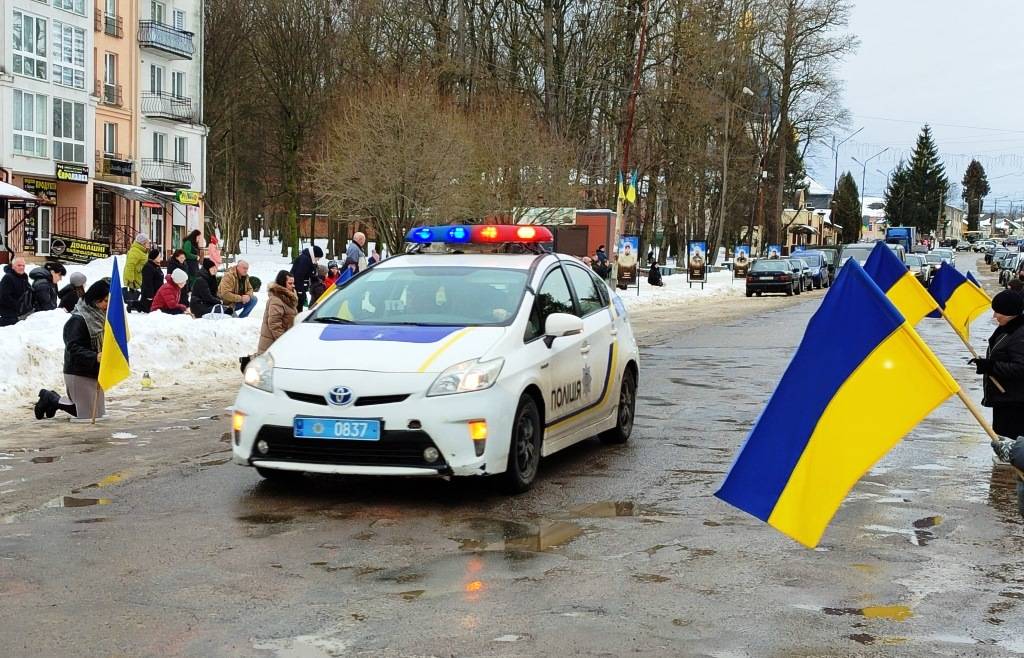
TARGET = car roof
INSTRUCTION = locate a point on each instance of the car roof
(498, 261)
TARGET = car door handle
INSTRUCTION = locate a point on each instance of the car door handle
(585, 348)
(544, 365)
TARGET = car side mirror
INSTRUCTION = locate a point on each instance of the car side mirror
(559, 325)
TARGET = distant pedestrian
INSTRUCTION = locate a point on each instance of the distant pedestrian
(654, 275)
(72, 292)
(152, 279)
(355, 261)
(236, 291)
(15, 293)
(83, 344)
(213, 250)
(177, 262)
(282, 307)
(203, 298)
(317, 284)
(168, 298)
(44, 286)
(192, 253)
(134, 262)
(602, 266)
(374, 258)
(302, 270)
(333, 272)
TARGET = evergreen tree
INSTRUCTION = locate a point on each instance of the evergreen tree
(846, 209)
(927, 186)
(896, 195)
(796, 172)
(975, 189)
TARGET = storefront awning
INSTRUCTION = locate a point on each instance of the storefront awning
(12, 192)
(803, 228)
(132, 192)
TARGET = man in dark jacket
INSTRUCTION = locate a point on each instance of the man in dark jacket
(152, 279)
(72, 292)
(303, 269)
(203, 300)
(15, 293)
(44, 286)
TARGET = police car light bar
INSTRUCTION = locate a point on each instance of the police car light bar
(490, 233)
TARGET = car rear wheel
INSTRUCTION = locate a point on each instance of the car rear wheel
(625, 412)
(750, 294)
(790, 290)
(524, 447)
(278, 475)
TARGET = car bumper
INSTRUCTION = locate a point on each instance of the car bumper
(408, 426)
(770, 286)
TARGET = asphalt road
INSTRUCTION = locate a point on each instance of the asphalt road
(137, 538)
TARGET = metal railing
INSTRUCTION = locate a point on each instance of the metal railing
(109, 94)
(166, 38)
(105, 165)
(109, 24)
(164, 105)
(166, 172)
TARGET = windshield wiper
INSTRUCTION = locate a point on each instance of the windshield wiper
(332, 321)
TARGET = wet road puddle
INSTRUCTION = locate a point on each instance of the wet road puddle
(605, 509)
(266, 518)
(71, 501)
(890, 612)
(495, 534)
(470, 576)
(46, 459)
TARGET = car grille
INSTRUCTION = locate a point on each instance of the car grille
(365, 401)
(395, 448)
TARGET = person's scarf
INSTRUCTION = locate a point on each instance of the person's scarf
(95, 319)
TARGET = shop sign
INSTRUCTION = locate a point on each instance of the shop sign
(72, 173)
(28, 242)
(188, 197)
(697, 261)
(626, 260)
(120, 167)
(77, 250)
(740, 261)
(46, 190)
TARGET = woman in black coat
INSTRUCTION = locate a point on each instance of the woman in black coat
(152, 279)
(203, 297)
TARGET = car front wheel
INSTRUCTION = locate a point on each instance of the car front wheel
(524, 447)
(624, 412)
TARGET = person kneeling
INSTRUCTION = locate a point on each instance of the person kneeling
(654, 276)
(203, 300)
(168, 298)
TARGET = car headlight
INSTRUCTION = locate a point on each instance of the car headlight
(474, 375)
(260, 372)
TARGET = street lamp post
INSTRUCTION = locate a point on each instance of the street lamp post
(835, 154)
(995, 208)
(863, 176)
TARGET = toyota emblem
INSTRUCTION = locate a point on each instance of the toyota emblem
(339, 396)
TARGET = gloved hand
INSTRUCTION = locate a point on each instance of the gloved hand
(982, 366)
(1016, 456)
(1002, 449)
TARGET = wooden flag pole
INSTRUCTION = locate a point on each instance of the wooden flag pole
(95, 402)
(970, 348)
(976, 412)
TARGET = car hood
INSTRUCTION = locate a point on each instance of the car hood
(381, 348)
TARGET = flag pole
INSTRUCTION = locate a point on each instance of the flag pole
(976, 412)
(970, 348)
(95, 402)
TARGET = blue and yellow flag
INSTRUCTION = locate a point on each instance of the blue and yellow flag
(961, 300)
(899, 284)
(860, 380)
(114, 360)
(622, 189)
(974, 282)
(631, 190)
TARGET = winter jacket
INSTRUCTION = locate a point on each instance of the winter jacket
(137, 258)
(203, 300)
(282, 307)
(213, 253)
(69, 297)
(233, 286)
(302, 270)
(1006, 351)
(152, 279)
(175, 265)
(44, 290)
(191, 251)
(168, 297)
(79, 354)
(15, 295)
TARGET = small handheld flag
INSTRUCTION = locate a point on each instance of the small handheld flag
(114, 360)
(960, 300)
(814, 440)
(899, 284)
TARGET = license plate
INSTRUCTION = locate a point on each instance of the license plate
(348, 429)
(764, 278)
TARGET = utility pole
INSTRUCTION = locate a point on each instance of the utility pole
(630, 112)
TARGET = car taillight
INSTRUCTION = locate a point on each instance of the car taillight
(785, 277)
(750, 277)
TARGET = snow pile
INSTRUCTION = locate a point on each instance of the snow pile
(676, 291)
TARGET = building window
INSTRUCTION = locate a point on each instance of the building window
(68, 131)
(178, 84)
(74, 6)
(156, 78)
(159, 145)
(29, 45)
(109, 138)
(29, 124)
(157, 11)
(179, 19)
(68, 55)
(181, 149)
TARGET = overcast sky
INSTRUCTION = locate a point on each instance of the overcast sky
(955, 65)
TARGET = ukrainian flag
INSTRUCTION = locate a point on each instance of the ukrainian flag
(970, 277)
(873, 380)
(622, 190)
(114, 360)
(961, 300)
(899, 284)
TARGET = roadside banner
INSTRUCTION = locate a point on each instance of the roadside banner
(740, 261)
(626, 260)
(774, 251)
(77, 250)
(697, 262)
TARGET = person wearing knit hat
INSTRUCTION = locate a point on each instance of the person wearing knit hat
(152, 279)
(304, 270)
(137, 256)
(72, 292)
(203, 298)
(168, 298)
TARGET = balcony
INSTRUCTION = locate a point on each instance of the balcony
(109, 24)
(113, 165)
(162, 105)
(166, 173)
(109, 94)
(166, 39)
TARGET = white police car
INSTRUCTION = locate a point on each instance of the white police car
(445, 364)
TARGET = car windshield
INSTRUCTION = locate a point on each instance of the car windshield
(859, 253)
(914, 260)
(813, 259)
(460, 296)
(933, 258)
(945, 253)
(770, 266)
(800, 262)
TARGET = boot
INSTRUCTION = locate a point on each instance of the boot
(53, 403)
(244, 362)
(39, 409)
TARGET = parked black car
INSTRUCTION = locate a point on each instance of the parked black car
(821, 276)
(802, 272)
(771, 275)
